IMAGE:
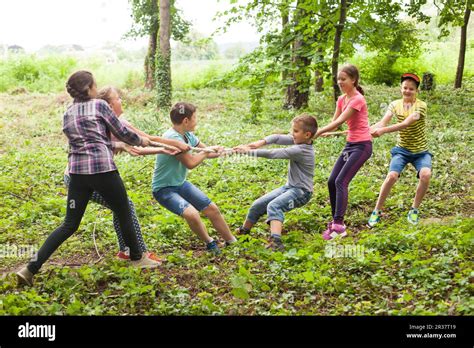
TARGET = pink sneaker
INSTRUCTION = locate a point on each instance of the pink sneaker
(328, 230)
(336, 230)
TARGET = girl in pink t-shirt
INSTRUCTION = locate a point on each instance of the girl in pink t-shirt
(352, 109)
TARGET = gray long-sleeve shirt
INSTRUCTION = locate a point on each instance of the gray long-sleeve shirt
(301, 156)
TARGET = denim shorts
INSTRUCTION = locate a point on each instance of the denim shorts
(401, 157)
(178, 198)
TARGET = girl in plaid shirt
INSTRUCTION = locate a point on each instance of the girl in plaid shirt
(112, 96)
(87, 123)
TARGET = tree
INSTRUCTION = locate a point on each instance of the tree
(462, 46)
(297, 93)
(146, 16)
(163, 56)
(337, 45)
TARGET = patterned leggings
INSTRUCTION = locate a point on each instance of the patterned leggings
(96, 197)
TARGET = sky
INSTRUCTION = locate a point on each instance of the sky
(91, 23)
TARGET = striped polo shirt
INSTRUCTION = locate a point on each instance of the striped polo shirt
(412, 138)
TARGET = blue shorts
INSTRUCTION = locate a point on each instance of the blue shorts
(401, 157)
(178, 198)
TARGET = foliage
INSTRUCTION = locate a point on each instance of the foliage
(196, 47)
(146, 16)
(35, 74)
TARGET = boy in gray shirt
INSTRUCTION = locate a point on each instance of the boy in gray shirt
(299, 187)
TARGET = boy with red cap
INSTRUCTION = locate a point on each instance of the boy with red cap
(412, 146)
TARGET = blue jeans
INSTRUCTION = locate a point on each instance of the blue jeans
(178, 198)
(277, 202)
(401, 157)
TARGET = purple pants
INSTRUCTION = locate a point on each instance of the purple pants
(347, 165)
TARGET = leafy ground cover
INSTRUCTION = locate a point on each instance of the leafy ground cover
(397, 269)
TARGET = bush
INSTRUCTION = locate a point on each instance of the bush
(35, 74)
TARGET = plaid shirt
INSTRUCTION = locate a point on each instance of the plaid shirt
(88, 126)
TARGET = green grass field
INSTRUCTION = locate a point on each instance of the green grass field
(404, 270)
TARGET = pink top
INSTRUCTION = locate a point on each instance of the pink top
(124, 122)
(358, 123)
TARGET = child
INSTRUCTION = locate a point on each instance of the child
(351, 108)
(87, 123)
(173, 191)
(299, 187)
(411, 147)
(112, 97)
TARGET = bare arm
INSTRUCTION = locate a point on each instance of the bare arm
(343, 117)
(190, 160)
(176, 143)
(396, 127)
(383, 122)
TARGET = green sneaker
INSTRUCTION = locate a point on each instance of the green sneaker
(413, 216)
(374, 218)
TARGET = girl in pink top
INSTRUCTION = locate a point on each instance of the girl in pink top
(352, 109)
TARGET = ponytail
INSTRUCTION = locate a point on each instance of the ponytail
(360, 89)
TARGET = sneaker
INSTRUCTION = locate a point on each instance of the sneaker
(337, 230)
(124, 255)
(413, 216)
(374, 218)
(213, 247)
(145, 262)
(275, 244)
(328, 230)
(25, 277)
(242, 230)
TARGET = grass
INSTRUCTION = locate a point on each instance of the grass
(405, 270)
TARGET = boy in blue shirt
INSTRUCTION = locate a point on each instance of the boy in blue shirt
(174, 192)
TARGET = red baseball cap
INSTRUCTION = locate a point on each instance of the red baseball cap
(411, 77)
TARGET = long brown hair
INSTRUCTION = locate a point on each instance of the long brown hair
(353, 73)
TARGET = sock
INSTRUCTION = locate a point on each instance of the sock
(212, 239)
(275, 236)
(339, 221)
(233, 240)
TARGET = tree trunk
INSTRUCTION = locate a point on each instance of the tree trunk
(150, 59)
(319, 81)
(163, 57)
(297, 94)
(462, 48)
(337, 46)
(284, 24)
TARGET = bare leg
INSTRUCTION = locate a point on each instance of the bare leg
(425, 175)
(248, 225)
(387, 185)
(192, 217)
(217, 220)
(276, 226)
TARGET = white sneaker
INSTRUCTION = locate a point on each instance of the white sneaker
(145, 262)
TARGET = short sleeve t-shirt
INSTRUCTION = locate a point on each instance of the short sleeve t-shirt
(412, 138)
(358, 123)
(169, 171)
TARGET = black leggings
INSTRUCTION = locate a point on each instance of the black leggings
(110, 186)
